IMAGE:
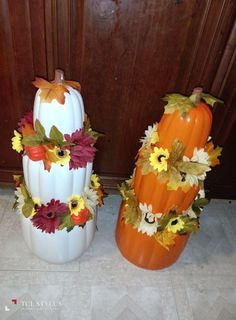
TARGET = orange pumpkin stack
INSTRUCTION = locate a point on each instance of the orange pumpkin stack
(163, 199)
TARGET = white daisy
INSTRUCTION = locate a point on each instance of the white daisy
(149, 221)
(91, 199)
(20, 199)
(151, 135)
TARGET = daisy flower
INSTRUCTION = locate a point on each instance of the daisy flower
(76, 204)
(175, 224)
(151, 135)
(158, 159)
(48, 218)
(91, 199)
(148, 223)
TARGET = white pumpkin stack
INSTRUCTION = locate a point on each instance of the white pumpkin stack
(58, 183)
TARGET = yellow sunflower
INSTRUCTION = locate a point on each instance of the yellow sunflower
(95, 181)
(158, 159)
(175, 224)
(37, 203)
(76, 204)
(16, 142)
(63, 156)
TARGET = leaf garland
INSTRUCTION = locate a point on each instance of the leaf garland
(33, 137)
(132, 216)
(180, 173)
(25, 203)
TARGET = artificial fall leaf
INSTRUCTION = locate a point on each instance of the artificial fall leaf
(166, 238)
(50, 91)
(176, 152)
(73, 84)
(192, 168)
(50, 157)
(28, 208)
(210, 99)
(27, 130)
(177, 102)
(213, 153)
(132, 213)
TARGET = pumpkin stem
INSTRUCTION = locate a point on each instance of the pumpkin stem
(59, 76)
(196, 95)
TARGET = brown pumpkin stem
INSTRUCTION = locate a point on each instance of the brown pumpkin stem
(197, 93)
(59, 76)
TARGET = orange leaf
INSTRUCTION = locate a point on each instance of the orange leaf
(213, 153)
(27, 130)
(74, 84)
(50, 91)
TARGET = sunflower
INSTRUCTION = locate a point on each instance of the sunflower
(175, 224)
(76, 204)
(158, 159)
(16, 142)
(63, 156)
(95, 181)
(37, 204)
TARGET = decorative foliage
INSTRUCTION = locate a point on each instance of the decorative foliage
(176, 169)
(178, 102)
(56, 215)
(76, 149)
(51, 90)
(164, 227)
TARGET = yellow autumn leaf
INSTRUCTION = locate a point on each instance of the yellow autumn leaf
(177, 102)
(166, 238)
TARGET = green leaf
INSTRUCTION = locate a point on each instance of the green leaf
(32, 141)
(165, 219)
(193, 168)
(28, 208)
(176, 101)
(210, 99)
(40, 130)
(56, 135)
(190, 225)
(66, 222)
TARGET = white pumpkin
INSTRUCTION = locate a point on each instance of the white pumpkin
(60, 183)
(67, 117)
(61, 246)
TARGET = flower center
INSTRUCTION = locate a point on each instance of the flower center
(50, 214)
(74, 203)
(61, 153)
(174, 222)
(183, 176)
(159, 158)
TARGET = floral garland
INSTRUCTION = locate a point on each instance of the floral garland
(56, 215)
(164, 227)
(173, 167)
(76, 149)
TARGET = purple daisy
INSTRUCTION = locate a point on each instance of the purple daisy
(82, 150)
(47, 218)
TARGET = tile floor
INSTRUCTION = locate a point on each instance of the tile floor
(101, 285)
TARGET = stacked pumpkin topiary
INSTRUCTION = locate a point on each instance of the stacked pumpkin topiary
(163, 199)
(59, 194)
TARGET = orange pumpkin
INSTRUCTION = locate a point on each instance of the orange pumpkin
(192, 129)
(35, 153)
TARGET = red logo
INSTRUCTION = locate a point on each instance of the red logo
(14, 301)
